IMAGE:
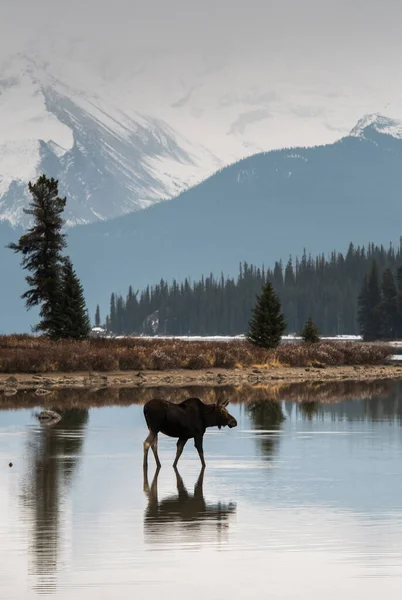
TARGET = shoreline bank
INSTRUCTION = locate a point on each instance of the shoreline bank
(204, 377)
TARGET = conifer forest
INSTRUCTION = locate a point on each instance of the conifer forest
(327, 288)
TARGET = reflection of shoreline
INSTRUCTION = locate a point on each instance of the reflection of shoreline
(54, 451)
(322, 392)
(183, 517)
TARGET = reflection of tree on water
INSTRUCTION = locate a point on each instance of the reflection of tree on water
(267, 415)
(54, 452)
(183, 516)
(383, 404)
(309, 409)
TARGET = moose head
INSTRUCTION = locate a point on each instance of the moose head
(222, 415)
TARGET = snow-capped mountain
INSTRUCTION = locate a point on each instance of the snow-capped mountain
(121, 139)
(107, 162)
(377, 123)
(261, 209)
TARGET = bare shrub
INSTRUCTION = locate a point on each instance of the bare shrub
(225, 360)
(200, 361)
(161, 361)
(31, 354)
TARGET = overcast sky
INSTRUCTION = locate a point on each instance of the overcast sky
(308, 34)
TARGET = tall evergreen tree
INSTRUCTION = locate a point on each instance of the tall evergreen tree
(399, 300)
(120, 328)
(370, 303)
(75, 320)
(362, 302)
(97, 316)
(41, 249)
(389, 308)
(267, 323)
(113, 320)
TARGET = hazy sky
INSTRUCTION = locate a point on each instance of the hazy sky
(291, 34)
(326, 63)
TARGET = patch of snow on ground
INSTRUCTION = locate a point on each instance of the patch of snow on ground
(240, 337)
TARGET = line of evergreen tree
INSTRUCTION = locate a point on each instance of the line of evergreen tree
(53, 283)
(323, 288)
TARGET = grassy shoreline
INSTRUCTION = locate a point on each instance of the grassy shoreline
(38, 355)
(31, 363)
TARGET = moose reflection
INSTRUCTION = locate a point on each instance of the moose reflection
(183, 517)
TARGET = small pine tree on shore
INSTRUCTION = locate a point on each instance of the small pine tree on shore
(267, 323)
(113, 317)
(310, 333)
(97, 316)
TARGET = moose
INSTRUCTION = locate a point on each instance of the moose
(185, 420)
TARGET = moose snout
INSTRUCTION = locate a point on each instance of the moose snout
(232, 423)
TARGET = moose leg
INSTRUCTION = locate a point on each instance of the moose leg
(181, 488)
(154, 446)
(145, 480)
(198, 445)
(198, 492)
(180, 445)
(148, 442)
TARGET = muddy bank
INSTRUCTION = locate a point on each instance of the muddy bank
(211, 377)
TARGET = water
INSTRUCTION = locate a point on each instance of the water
(299, 501)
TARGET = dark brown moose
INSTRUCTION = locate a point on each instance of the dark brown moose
(186, 420)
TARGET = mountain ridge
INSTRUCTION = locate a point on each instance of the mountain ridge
(120, 140)
(259, 210)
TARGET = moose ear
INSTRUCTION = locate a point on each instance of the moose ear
(223, 402)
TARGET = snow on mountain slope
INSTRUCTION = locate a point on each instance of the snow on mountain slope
(108, 162)
(120, 135)
(378, 123)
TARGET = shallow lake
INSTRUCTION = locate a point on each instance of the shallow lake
(301, 500)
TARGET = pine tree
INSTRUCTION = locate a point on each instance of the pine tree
(120, 308)
(399, 301)
(310, 333)
(362, 302)
(97, 316)
(389, 307)
(113, 320)
(370, 301)
(41, 249)
(267, 323)
(75, 321)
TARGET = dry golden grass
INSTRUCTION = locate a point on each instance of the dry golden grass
(29, 354)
